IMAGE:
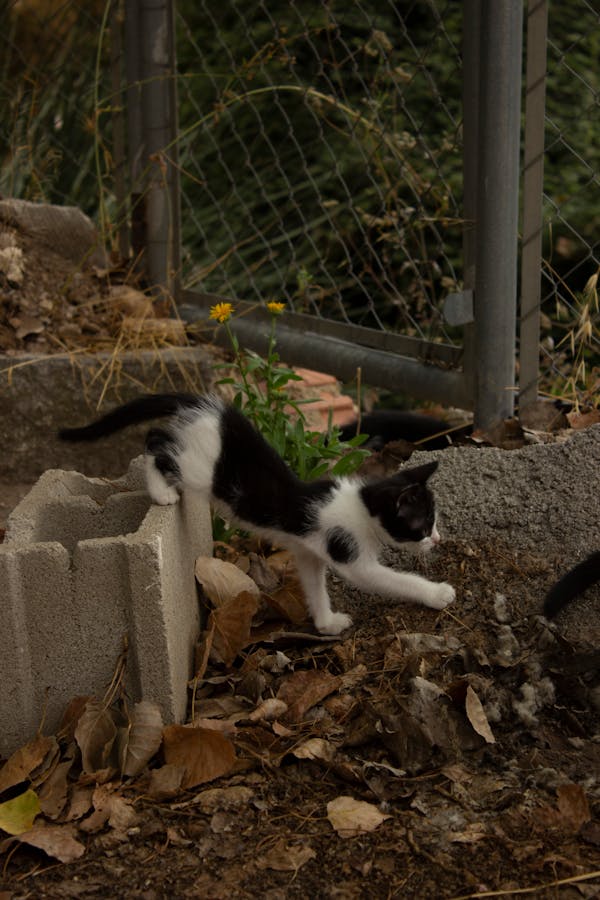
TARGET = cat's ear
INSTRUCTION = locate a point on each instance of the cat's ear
(420, 474)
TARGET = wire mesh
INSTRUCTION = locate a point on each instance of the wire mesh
(320, 152)
(570, 347)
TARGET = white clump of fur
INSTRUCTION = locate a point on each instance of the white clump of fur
(536, 693)
(508, 646)
(11, 264)
(501, 610)
(493, 710)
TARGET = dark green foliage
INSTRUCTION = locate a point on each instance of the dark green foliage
(324, 145)
(49, 107)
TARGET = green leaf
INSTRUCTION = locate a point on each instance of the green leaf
(17, 815)
(318, 470)
(254, 363)
(280, 380)
(357, 440)
(349, 463)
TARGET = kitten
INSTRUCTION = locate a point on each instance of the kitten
(213, 448)
(576, 581)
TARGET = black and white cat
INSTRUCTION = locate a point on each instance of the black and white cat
(574, 582)
(210, 447)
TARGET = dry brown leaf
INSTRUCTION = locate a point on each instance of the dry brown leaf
(171, 330)
(223, 726)
(340, 705)
(281, 730)
(204, 754)
(262, 574)
(408, 741)
(282, 562)
(55, 840)
(571, 812)
(315, 748)
(176, 839)
(110, 808)
(71, 717)
(477, 717)
(573, 805)
(80, 802)
(53, 793)
(25, 761)
(579, 420)
(472, 834)
(353, 677)
(350, 817)
(288, 600)
(220, 707)
(284, 857)
(145, 735)
(95, 735)
(232, 622)
(269, 709)
(304, 689)
(166, 782)
(131, 302)
(218, 799)
(222, 581)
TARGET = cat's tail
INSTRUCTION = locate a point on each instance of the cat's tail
(575, 582)
(150, 406)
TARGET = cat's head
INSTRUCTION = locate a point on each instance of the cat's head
(404, 506)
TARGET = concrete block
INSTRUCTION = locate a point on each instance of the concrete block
(85, 562)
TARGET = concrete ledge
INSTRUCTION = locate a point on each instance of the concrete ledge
(85, 562)
(40, 394)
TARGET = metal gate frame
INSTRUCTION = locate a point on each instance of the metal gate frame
(481, 375)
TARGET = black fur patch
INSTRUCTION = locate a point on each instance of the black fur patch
(403, 503)
(575, 582)
(258, 485)
(150, 406)
(341, 545)
(161, 445)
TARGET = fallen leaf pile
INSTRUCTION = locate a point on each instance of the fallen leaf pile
(52, 303)
(427, 741)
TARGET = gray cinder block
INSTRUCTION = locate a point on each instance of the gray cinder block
(85, 562)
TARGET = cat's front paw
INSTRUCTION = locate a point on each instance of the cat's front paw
(442, 595)
(335, 623)
(165, 495)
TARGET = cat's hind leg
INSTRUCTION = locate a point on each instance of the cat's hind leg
(162, 470)
(312, 574)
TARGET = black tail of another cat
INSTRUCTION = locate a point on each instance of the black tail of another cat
(150, 406)
(575, 582)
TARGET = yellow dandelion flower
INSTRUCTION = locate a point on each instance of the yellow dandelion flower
(221, 312)
(275, 308)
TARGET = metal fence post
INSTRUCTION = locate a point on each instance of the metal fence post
(135, 140)
(155, 159)
(470, 100)
(495, 299)
(533, 185)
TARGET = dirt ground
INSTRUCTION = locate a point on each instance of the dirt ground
(472, 735)
(423, 754)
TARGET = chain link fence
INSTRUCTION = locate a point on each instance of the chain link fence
(321, 157)
(570, 346)
(319, 154)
